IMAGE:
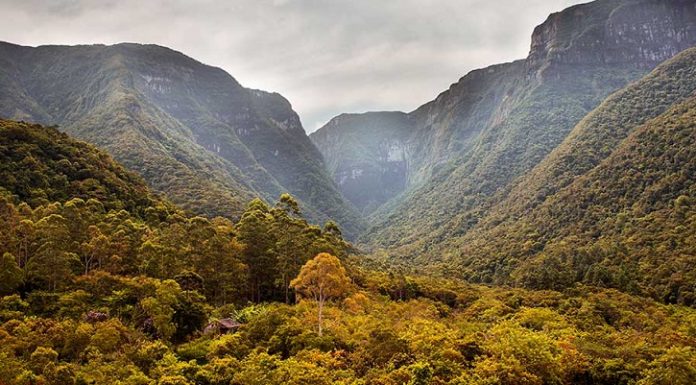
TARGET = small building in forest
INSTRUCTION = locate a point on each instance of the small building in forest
(95, 316)
(222, 326)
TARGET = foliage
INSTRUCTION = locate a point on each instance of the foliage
(590, 336)
(103, 282)
(322, 278)
(11, 276)
(40, 165)
(112, 296)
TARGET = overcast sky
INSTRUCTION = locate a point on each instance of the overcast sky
(325, 56)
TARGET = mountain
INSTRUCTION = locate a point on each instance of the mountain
(191, 130)
(613, 205)
(368, 156)
(496, 124)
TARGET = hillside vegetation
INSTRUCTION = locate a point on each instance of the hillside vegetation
(190, 130)
(40, 165)
(465, 150)
(611, 206)
(98, 289)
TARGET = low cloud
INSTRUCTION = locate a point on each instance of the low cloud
(326, 57)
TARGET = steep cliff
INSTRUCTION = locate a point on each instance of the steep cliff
(642, 32)
(191, 130)
(368, 155)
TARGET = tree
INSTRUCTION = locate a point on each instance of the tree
(674, 367)
(217, 257)
(288, 204)
(95, 251)
(24, 236)
(51, 264)
(161, 307)
(9, 221)
(189, 315)
(255, 235)
(322, 278)
(292, 244)
(331, 228)
(11, 275)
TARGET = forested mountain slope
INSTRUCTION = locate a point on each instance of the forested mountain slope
(191, 130)
(67, 208)
(497, 123)
(613, 205)
(40, 165)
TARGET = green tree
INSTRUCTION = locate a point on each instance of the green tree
(292, 243)
(289, 204)
(96, 250)
(24, 234)
(161, 307)
(217, 257)
(254, 232)
(189, 315)
(52, 263)
(677, 366)
(9, 221)
(11, 276)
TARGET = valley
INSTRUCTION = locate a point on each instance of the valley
(533, 224)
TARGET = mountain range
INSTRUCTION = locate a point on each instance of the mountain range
(533, 224)
(574, 164)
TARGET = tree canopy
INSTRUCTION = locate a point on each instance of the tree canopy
(322, 278)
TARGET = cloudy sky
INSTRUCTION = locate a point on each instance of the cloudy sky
(325, 56)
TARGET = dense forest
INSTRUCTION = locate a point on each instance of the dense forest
(612, 206)
(534, 224)
(104, 282)
(76, 206)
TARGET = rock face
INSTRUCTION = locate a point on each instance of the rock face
(191, 130)
(646, 32)
(371, 164)
(469, 144)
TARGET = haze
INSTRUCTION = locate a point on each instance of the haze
(326, 57)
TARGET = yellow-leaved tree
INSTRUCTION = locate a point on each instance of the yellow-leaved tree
(322, 278)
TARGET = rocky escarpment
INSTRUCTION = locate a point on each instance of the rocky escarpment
(643, 32)
(448, 126)
(191, 130)
(378, 155)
